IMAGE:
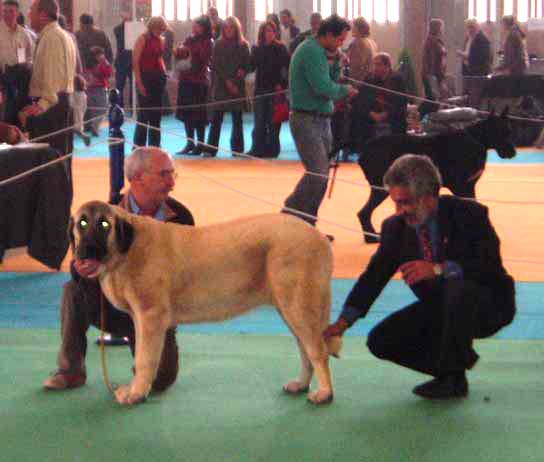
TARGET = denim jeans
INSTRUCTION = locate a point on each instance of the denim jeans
(313, 139)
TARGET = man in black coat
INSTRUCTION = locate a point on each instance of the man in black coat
(372, 106)
(477, 61)
(123, 58)
(151, 174)
(448, 253)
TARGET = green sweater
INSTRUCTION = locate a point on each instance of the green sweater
(312, 79)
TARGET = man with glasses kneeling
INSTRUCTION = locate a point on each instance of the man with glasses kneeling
(150, 172)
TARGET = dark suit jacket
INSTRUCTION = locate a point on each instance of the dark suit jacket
(468, 238)
(479, 56)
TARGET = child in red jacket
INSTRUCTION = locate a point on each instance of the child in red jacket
(98, 77)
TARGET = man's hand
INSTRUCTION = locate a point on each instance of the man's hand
(29, 111)
(15, 135)
(337, 329)
(352, 91)
(232, 88)
(33, 110)
(417, 271)
(378, 117)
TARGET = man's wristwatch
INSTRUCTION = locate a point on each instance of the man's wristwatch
(438, 270)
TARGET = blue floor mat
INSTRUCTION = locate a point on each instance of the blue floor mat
(173, 141)
(31, 300)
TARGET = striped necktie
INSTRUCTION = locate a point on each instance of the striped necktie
(425, 240)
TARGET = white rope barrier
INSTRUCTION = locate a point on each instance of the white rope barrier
(210, 104)
(321, 175)
(328, 222)
(437, 102)
(38, 168)
(58, 132)
(230, 188)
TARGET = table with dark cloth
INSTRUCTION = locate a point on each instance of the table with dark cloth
(505, 86)
(35, 210)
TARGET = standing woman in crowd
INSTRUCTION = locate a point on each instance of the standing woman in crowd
(270, 59)
(230, 64)
(194, 83)
(361, 50)
(515, 59)
(216, 21)
(150, 74)
(435, 56)
(273, 17)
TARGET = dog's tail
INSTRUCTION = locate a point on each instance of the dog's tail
(334, 345)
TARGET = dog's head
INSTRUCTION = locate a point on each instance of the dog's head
(98, 233)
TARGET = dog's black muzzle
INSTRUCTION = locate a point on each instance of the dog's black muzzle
(90, 249)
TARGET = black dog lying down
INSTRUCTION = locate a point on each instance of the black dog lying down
(460, 156)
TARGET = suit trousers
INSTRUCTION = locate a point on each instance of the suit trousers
(434, 336)
(81, 306)
(56, 118)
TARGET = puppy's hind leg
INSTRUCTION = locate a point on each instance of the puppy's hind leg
(306, 312)
(302, 383)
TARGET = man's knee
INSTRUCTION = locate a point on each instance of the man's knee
(375, 343)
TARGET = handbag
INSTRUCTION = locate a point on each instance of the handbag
(281, 110)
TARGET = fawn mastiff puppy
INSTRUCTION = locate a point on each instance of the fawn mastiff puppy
(165, 274)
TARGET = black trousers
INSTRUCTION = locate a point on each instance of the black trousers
(434, 336)
(236, 136)
(144, 136)
(16, 81)
(123, 73)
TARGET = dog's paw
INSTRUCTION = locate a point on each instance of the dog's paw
(295, 388)
(321, 397)
(126, 397)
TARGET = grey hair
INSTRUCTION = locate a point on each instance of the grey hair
(138, 162)
(417, 173)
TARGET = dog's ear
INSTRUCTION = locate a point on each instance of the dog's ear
(71, 236)
(124, 235)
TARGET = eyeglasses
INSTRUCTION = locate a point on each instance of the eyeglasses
(165, 174)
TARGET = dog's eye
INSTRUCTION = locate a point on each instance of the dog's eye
(83, 223)
(104, 225)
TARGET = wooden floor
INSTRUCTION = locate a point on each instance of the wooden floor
(209, 187)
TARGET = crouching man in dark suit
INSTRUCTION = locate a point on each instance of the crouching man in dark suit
(447, 251)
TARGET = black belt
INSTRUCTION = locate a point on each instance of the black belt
(324, 115)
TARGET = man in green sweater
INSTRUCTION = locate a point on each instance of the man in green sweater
(313, 85)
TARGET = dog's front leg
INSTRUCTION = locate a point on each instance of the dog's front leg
(150, 334)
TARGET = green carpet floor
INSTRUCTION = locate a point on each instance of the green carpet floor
(227, 406)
